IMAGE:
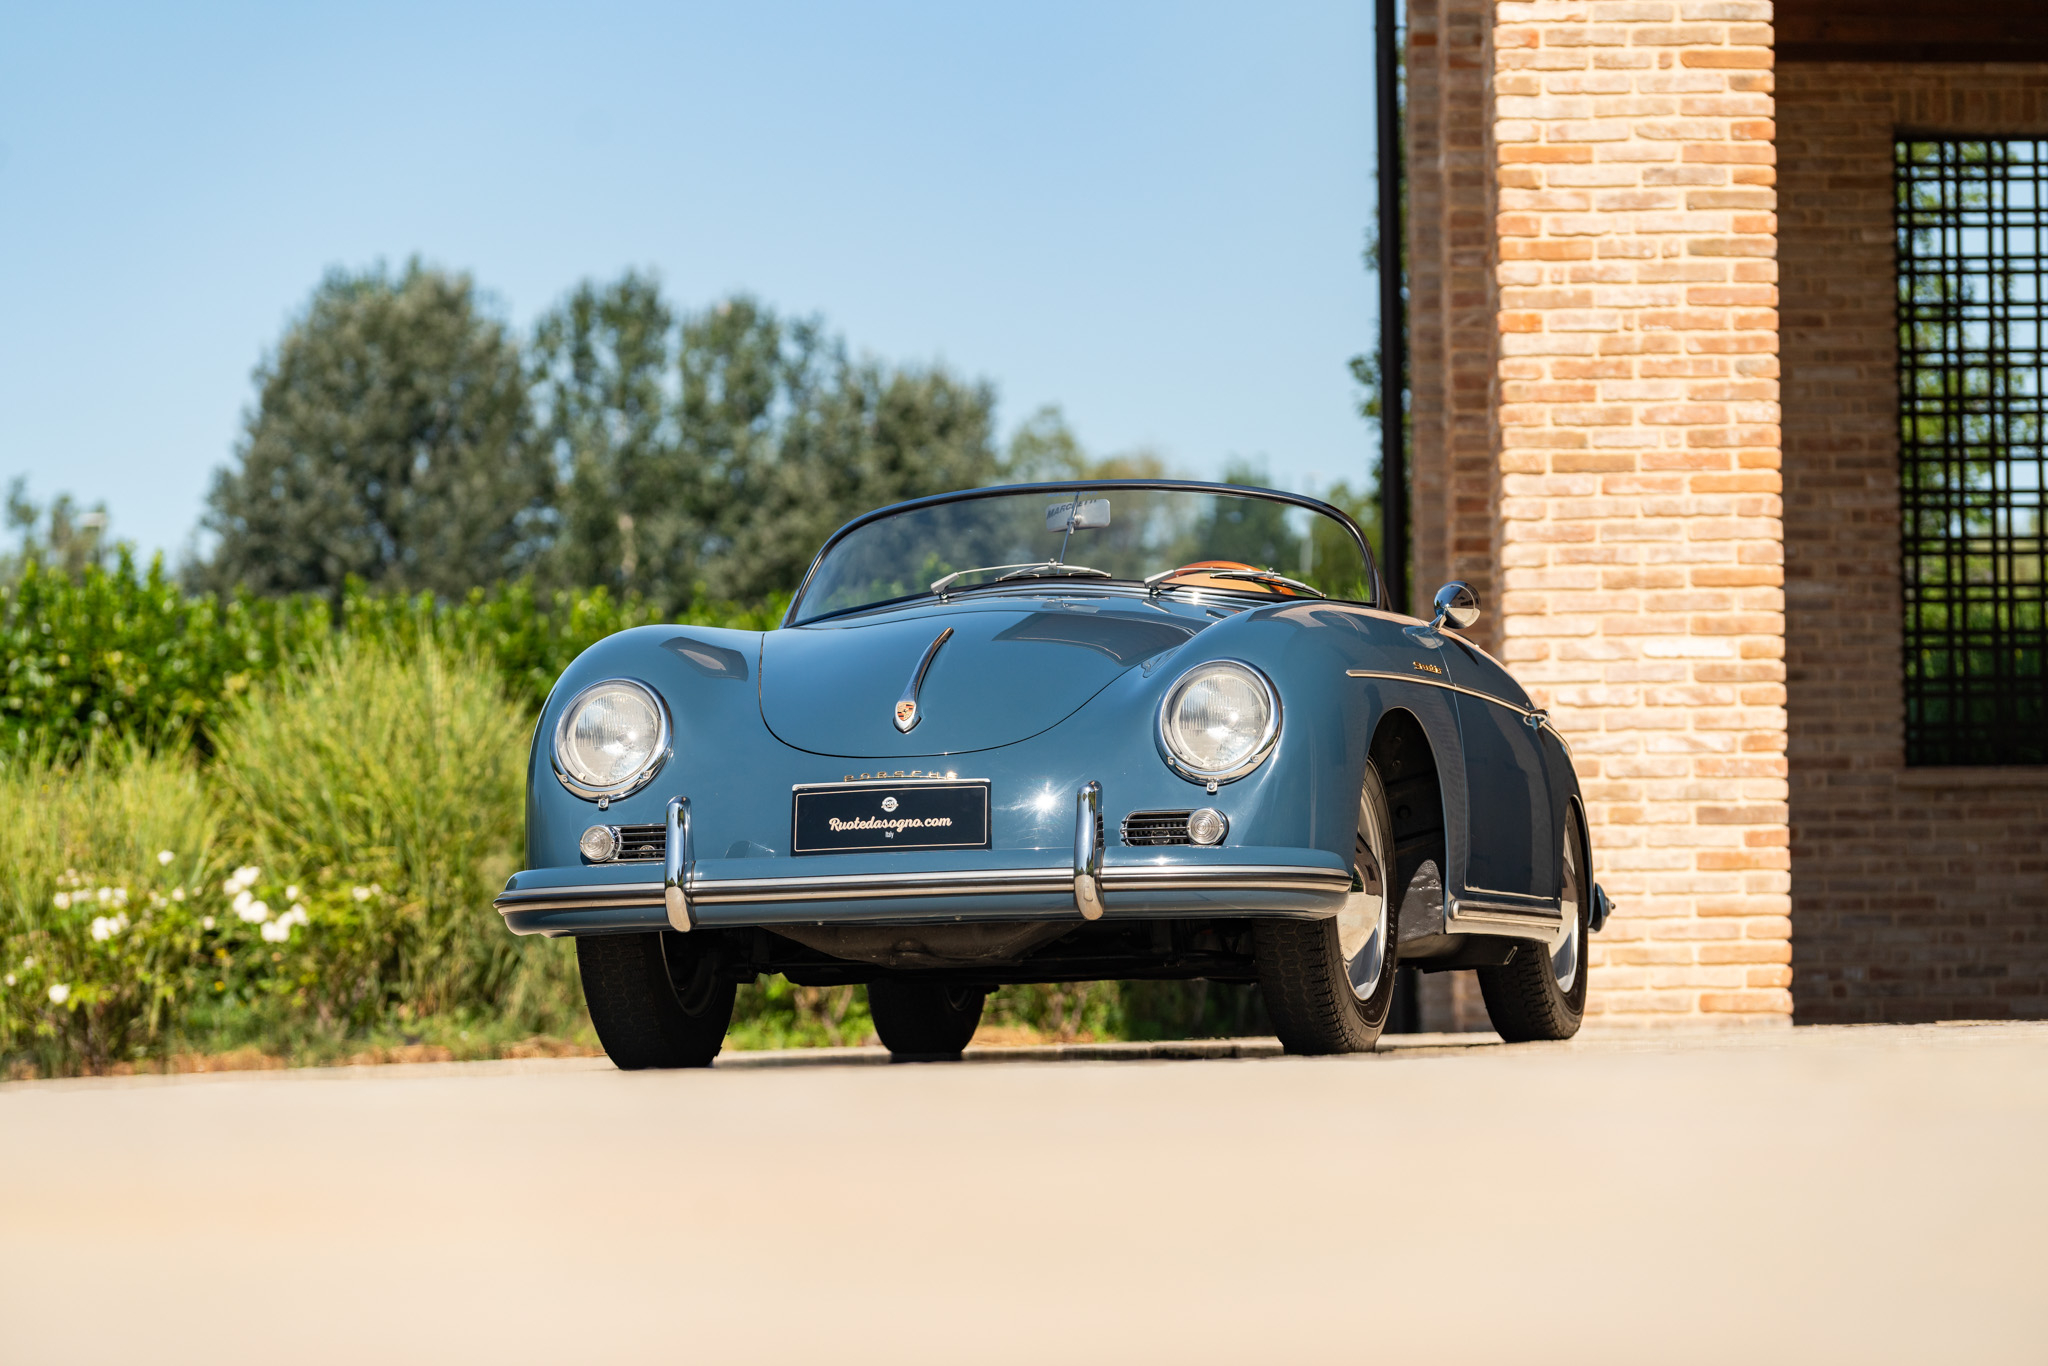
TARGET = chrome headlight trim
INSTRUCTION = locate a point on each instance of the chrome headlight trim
(1260, 752)
(664, 738)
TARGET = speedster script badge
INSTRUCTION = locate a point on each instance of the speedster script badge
(836, 818)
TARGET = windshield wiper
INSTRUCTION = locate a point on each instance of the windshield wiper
(1165, 579)
(1036, 569)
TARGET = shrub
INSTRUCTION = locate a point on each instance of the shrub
(123, 652)
(101, 866)
(396, 770)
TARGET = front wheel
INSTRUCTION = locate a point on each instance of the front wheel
(925, 1020)
(1328, 983)
(657, 1000)
(1541, 993)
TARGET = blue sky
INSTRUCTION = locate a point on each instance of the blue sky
(1148, 214)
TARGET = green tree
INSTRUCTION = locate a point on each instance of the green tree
(391, 441)
(1045, 448)
(708, 456)
(63, 537)
(859, 435)
(627, 509)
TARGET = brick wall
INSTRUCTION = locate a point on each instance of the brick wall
(1639, 521)
(1918, 894)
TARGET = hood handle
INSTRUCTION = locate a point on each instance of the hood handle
(907, 713)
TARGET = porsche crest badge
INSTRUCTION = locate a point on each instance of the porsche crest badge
(906, 714)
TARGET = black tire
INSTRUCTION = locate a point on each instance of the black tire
(1303, 973)
(920, 1021)
(658, 1000)
(1525, 1000)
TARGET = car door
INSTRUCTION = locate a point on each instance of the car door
(1512, 841)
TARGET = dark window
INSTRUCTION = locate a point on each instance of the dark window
(1973, 285)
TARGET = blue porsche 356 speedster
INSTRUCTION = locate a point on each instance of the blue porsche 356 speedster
(1059, 732)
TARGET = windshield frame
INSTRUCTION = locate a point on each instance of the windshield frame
(1372, 567)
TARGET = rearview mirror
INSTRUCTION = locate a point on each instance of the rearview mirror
(1456, 605)
(1086, 515)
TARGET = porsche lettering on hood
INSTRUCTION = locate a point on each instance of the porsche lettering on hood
(1007, 673)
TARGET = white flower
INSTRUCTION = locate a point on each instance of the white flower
(120, 896)
(205, 922)
(295, 916)
(164, 858)
(291, 893)
(104, 895)
(102, 928)
(276, 932)
(63, 900)
(241, 904)
(10, 979)
(177, 893)
(361, 893)
(59, 994)
(28, 962)
(255, 912)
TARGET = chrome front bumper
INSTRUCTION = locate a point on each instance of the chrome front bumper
(1291, 882)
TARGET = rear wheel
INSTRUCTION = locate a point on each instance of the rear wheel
(658, 1000)
(1328, 983)
(925, 1019)
(1542, 993)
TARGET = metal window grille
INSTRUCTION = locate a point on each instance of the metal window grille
(1973, 286)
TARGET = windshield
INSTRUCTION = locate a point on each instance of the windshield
(1187, 540)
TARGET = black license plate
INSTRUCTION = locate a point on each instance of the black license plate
(848, 818)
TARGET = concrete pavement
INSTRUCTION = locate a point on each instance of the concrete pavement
(1874, 1194)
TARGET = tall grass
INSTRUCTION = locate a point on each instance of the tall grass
(328, 875)
(401, 769)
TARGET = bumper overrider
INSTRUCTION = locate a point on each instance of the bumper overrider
(925, 887)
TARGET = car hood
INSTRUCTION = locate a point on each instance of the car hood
(1008, 671)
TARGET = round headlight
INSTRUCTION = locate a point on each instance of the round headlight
(612, 738)
(1220, 721)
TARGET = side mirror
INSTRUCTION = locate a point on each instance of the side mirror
(1456, 605)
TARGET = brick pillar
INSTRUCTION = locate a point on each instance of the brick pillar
(1640, 522)
(1453, 302)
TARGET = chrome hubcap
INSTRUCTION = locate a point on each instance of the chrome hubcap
(1362, 924)
(1564, 949)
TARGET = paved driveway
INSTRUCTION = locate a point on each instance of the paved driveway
(1818, 1195)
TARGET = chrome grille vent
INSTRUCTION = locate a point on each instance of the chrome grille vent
(642, 843)
(1156, 827)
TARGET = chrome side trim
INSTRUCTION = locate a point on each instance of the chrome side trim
(907, 714)
(878, 886)
(1088, 851)
(1534, 716)
(677, 866)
